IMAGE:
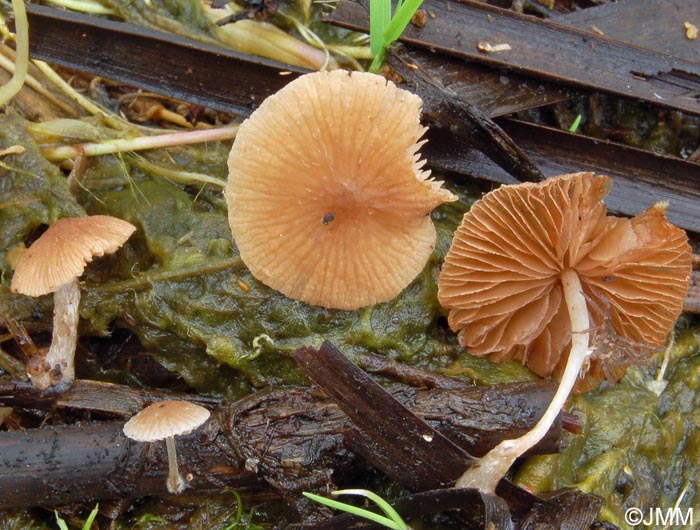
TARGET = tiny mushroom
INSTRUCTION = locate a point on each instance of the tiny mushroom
(165, 420)
(53, 264)
(328, 202)
(540, 273)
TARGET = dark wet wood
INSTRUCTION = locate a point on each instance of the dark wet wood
(461, 414)
(549, 50)
(493, 92)
(653, 24)
(80, 463)
(164, 63)
(444, 110)
(392, 438)
(95, 396)
(641, 178)
(291, 439)
(404, 442)
(470, 503)
(565, 510)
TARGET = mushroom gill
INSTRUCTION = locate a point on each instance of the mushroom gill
(538, 273)
(501, 282)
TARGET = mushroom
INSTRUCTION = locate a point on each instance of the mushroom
(165, 420)
(539, 273)
(327, 199)
(53, 264)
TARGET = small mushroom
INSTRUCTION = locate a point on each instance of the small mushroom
(540, 273)
(165, 420)
(327, 199)
(53, 264)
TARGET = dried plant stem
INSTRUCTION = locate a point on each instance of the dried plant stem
(176, 175)
(356, 52)
(85, 6)
(78, 98)
(7, 62)
(120, 145)
(264, 39)
(493, 466)
(12, 87)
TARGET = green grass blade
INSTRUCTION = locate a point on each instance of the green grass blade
(574, 126)
(379, 18)
(91, 517)
(383, 505)
(401, 19)
(60, 522)
(377, 61)
(354, 510)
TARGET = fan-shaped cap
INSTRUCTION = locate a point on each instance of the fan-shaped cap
(327, 199)
(62, 252)
(164, 419)
(501, 277)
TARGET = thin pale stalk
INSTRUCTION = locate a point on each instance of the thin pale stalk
(176, 175)
(120, 145)
(15, 84)
(175, 483)
(493, 466)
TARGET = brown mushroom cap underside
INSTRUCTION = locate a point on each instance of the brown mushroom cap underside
(163, 419)
(327, 199)
(501, 281)
(63, 251)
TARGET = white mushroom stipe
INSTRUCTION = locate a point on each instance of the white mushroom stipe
(61, 354)
(492, 467)
(175, 483)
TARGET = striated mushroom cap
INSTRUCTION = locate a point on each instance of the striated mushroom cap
(163, 419)
(63, 251)
(500, 280)
(327, 199)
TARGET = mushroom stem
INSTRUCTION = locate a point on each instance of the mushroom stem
(175, 482)
(493, 466)
(61, 354)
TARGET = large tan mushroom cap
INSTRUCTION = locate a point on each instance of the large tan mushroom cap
(327, 199)
(163, 419)
(62, 252)
(501, 276)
